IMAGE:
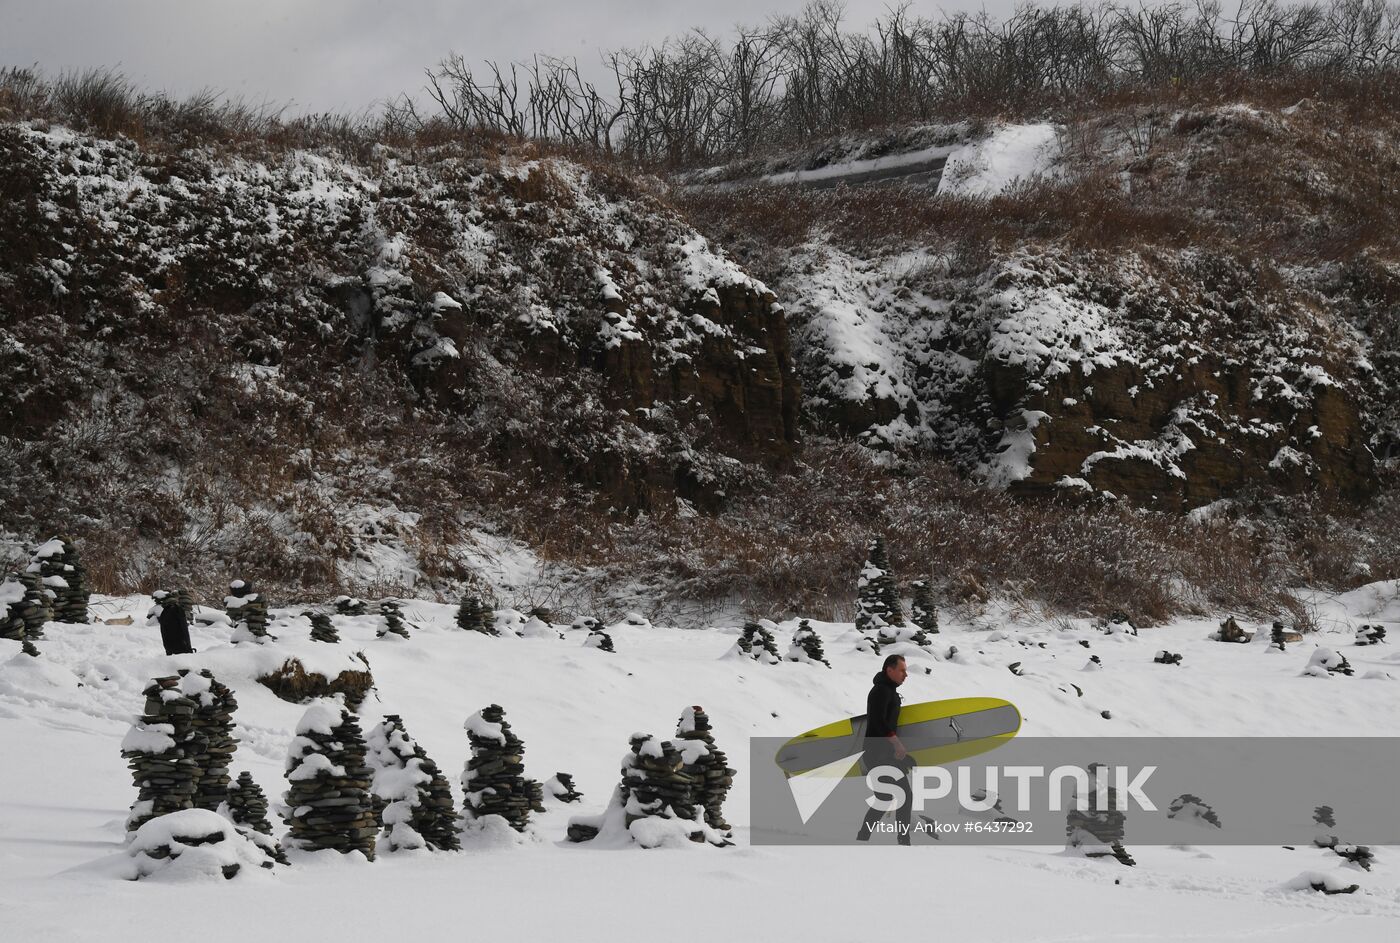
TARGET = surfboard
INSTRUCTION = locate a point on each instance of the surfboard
(934, 732)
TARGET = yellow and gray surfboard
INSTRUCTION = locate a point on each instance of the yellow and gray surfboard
(934, 733)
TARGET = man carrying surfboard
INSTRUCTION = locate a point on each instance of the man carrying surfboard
(882, 746)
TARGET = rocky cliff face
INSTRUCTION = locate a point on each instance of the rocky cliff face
(1167, 378)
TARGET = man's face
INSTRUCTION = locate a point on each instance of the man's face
(898, 672)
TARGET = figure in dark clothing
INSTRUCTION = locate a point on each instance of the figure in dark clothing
(882, 745)
(174, 627)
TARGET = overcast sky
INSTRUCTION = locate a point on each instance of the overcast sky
(344, 55)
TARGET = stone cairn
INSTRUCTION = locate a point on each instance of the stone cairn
(247, 810)
(161, 749)
(599, 639)
(24, 608)
(877, 593)
(586, 622)
(1189, 808)
(757, 643)
(655, 781)
(213, 722)
(807, 639)
(534, 789)
(475, 616)
(349, 606)
(414, 799)
(1278, 637)
(1326, 661)
(1099, 830)
(329, 796)
(247, 609)
(63, 576)
(1230, 631)
(562, 788)
(392, 614)
(493, 780)
(708, 767)
(922, 610)
(322, 628)
(1370, 635)
(247, 804)
(1324, 816)
(1165, 657)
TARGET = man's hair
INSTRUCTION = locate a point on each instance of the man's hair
(892, 660)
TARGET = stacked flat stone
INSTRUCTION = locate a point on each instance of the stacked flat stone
(247, 609)
(600, 640)
(162, 751)
(1323, 815)
(877, 593)
(63, 575)
(807, 639)
(534, 790)
(28, 648)
(1187, 807)
(392, 615)
(329, 797)
(213, 721)
(247, 804)
(1099, 829)
(493, 780)
(349, 606)
(1370, 635)
(413, 797)
(655, 783)
(923, 612)
(1360, 855)
(709, 767)
(1326, 661)
(1165, 657)
(1278, 637)
(757, 642)
(24, 608)
(247, 810)
(562, 788)
(473, 615)
(322, 628)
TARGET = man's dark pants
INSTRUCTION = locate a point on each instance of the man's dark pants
(881, 753)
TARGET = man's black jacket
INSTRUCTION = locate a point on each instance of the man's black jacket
(882, 707)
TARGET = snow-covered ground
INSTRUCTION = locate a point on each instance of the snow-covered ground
(64, 788)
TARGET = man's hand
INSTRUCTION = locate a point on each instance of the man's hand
(899, 751)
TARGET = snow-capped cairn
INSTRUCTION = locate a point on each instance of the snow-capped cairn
(599, 639)
(1370, 635)
(392, 615)
(196, 842)
(162, 750)
(707, 763)
(807, 645)
(322, 628)
(493, 780)
(61, 572)
(246, 808)
(1326, 662)
(586, 622)
(1230, 631)
(24, 608)
(877, 593)
(757, 643)
(1360, 855)
(561, 787)
(415, 799)
(1189, 808)
(329, 796)
(182, 598)
(1098, 832)
(1165, 657)
(349, 606)
(248, 610)
(923, 612)
(247, 804)
(213, 721)
(475, 616)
